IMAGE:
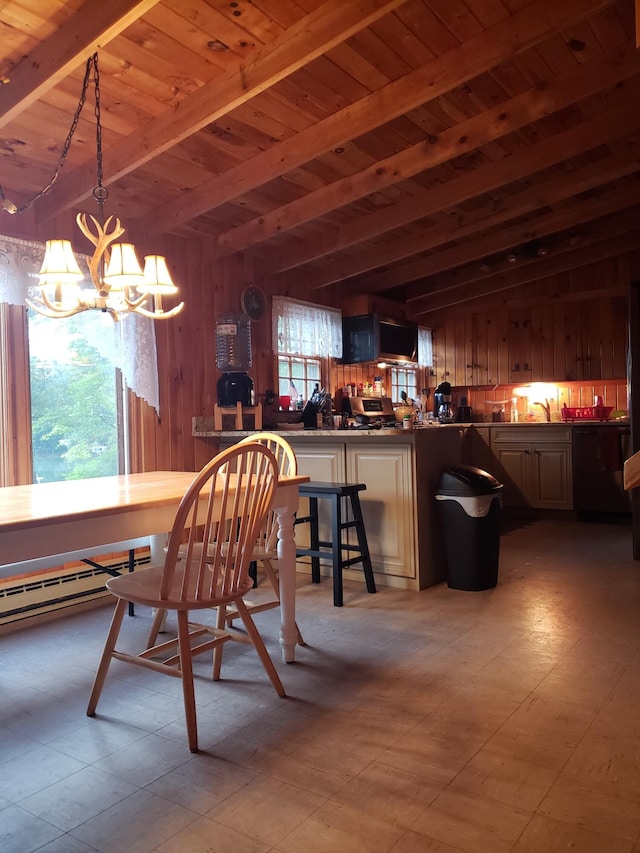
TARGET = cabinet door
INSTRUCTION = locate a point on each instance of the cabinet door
(514, 472)
(476, 448)
(324, 463)
(551, 476)
(388, 505)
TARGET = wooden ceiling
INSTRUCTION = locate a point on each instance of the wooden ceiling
(429, 151)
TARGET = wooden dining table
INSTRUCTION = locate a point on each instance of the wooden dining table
(44, 520)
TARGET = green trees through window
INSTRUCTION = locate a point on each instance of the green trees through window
(74, 399)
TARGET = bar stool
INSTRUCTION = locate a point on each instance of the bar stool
(335, 492)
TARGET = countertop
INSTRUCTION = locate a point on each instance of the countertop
(202, 427)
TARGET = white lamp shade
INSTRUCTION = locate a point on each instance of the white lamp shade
(157, 278)
(59, 266)
(123, 269)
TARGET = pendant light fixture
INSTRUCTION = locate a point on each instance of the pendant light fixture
(119, 285)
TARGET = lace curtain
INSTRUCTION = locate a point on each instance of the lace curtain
(302, 328)
(130, 344)
(425, 347)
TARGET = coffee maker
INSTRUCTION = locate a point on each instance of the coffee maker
(233, 357)
(442, 410)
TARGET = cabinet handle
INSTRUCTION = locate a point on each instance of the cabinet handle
(527, 450)
(535, 450)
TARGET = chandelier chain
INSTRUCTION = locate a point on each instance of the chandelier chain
(100, 192)
(92, 62)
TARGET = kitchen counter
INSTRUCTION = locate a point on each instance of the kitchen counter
(202, 427)
(401, 469)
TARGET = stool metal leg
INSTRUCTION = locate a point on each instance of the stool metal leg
(336, 538)
(314, 537)
(356, 508)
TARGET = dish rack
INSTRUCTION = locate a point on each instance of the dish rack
(586, 413)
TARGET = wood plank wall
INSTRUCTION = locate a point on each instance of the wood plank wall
(566, 328)
(569, 327)
(549, 325)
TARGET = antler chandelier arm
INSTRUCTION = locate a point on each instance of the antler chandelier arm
(54, 314)
(101, 240)
(159, 314)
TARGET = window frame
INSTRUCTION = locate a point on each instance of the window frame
(400, 382)
(295, 352)
(16, 465)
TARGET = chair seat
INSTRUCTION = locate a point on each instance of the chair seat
(143, 587)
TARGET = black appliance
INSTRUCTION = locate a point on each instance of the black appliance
(368, 337)
(599, 452)
(442, 409)
(235, 388)
(233, 356)
(465, 415)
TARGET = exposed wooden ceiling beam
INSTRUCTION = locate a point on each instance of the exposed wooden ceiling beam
(604, 129)
(91, 27)
(464, 137)
(587, 79)
(300, 44)
(545, 223)
(554, 190)
(576, 213)
(520, 31)
(609, 238)
(571, 260)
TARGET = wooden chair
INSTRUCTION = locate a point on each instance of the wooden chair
(206, 566)
(265, 551)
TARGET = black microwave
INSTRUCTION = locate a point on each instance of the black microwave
(368, 337)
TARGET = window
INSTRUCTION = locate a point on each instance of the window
(75, 395)
(74, 435)
(302, 373)
(404, 379)
(305, 337)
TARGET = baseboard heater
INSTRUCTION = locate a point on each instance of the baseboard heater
(34, 595)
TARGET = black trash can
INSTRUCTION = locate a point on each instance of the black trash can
(470, 502)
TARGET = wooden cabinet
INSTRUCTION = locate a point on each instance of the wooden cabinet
(388, 504)
(534, 463)
(322, 461)
(401, 471)
(477, 448)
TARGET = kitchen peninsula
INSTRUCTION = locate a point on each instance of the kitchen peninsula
(567, 468)
(401, 469)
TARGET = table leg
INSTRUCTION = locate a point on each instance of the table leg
(157, 543)
(287, 576)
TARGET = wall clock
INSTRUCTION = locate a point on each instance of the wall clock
(253, 302)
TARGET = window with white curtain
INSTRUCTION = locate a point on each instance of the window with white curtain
(75, 364)
(305, 337)
(129, 345)
(425, 347)
(305, 329)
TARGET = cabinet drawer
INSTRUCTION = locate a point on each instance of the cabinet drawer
(538, 433)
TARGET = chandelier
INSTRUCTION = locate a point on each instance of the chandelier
(120, 285)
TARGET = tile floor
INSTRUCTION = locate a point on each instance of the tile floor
(441, 721)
